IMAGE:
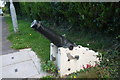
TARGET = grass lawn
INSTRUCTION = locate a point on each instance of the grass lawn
(28, 38)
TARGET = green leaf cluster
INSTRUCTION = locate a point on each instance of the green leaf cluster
(111, 62)
(49, 66)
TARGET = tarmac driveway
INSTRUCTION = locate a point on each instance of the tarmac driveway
(5, 44)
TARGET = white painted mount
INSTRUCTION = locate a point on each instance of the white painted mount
(69, 61)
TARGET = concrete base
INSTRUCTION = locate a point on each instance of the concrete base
(19, 70)
(22, 64)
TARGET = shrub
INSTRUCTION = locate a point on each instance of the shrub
(111, 62)
(97, 17)
(49, 66)
(48, 77)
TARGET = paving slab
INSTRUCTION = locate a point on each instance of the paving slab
(21, 64)
(19, 70)
(32, 53)
(37, 64)
(14, 58)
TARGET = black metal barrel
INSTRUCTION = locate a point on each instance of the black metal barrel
(58, 40)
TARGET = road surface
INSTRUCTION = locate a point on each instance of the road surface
(5, 44)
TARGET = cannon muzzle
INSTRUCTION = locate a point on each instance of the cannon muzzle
(58, 40)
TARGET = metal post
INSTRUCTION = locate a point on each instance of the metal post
(13, 16)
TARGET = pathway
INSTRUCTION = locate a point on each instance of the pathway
(5, 43)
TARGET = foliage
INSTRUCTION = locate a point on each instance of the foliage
(35, 10)
(111, 62)
(92, 72)
(97, 17)
(49, 66)
(5, 10)
(48, 76)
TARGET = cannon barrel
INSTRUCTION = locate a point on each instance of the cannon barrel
(58, 40)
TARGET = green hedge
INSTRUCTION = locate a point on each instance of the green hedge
(97, 17)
